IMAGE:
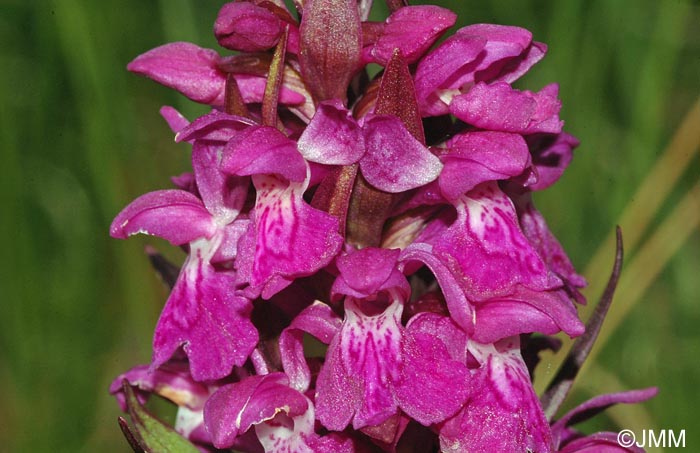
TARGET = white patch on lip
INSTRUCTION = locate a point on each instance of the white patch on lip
(446, 96)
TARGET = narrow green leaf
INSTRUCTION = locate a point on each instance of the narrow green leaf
(155, 436)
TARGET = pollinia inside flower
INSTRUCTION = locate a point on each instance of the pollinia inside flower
(390, 218)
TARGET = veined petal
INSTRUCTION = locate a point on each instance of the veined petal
(412, 30)
(204, 316)
(485, 249)
(395, 161)
(291, 239)
(476, 157)
(263, 150)
(185, 67)
(333, 137)
(247, 27)
(503, 413)
(361, 366)
(433, 383)
(175, 215)
(501, 108)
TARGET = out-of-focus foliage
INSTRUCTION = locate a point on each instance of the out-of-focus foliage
(80, 137)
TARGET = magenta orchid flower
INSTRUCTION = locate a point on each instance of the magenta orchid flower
(390, 158)
(202, 305)
(365, 267)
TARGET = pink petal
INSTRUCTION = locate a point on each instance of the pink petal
(223, 194)
(485, 249)
(503, 53)
(171, 381)
(332, 443)
(175, 119)
(395, 161)
(503, 413)
(228, 414)
(290, 239)
(366, 272)
(502, 108)
(361, 365)
(432, 384)
(186, 182)
(506, 46)
(476, 157)
(454, 59)
(185, 67)
(230, 236)
(214, 126)
(289, 431)
(263, 150)
(460, 308)
(253, 90)
(204, 316)
(412, 30)
(175, 215)
(317, 320)
(247, 27)
(526, 311)
(333, 137)
(190, 425)
(283, 418)
(550, 157)
(515, 67)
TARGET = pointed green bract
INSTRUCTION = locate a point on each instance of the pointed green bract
(150, 433)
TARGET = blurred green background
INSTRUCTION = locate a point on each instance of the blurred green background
(80, 137)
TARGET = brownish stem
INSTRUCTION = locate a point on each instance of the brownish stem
(274, 82)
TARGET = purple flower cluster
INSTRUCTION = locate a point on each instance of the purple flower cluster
(389, 218)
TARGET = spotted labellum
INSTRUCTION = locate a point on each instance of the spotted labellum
(365, 268)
